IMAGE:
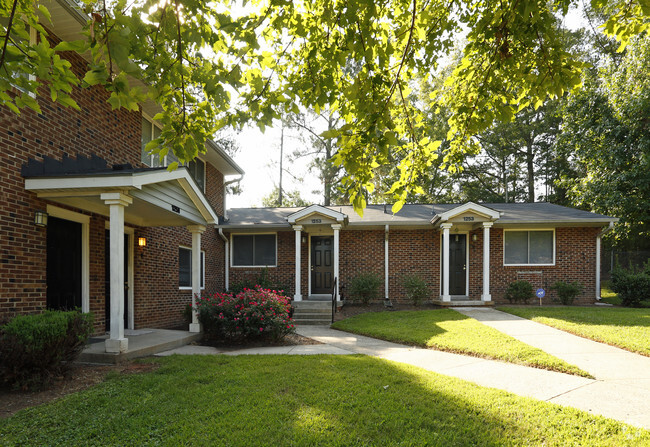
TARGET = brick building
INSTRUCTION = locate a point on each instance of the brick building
(89, 220)
(490, 246)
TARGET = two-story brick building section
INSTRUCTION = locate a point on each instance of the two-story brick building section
(88, 219)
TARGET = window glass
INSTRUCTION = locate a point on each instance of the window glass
(197, 170)
(541, 247)
(516, 250)
(185, 268)
(242, 250)
(528, 247)
(146, 137)
(253, 249)
(265, 249)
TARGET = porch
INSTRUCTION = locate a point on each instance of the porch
(141, 342)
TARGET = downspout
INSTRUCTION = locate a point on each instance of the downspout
(386, 297)
(598, 237)
(225, 185)
(226, 263)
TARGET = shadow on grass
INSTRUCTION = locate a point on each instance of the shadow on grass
(598, 316)
(303, 400)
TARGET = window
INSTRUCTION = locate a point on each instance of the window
(529, 247)
(150, 131)
(252, 250)
(22, 35)
(197, 171)
(185, 268)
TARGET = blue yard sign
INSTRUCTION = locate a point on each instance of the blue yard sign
(541, 293)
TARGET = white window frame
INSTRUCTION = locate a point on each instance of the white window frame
(204, 268)
(232, 250)
(528, 230)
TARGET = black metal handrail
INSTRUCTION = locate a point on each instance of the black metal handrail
(334, 297)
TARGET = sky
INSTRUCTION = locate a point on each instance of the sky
(259, 156)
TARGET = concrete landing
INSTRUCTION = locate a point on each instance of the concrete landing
(142, 343)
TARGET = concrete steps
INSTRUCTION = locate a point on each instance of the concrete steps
(312, 312)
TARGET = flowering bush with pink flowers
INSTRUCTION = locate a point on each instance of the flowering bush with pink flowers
(251, 314)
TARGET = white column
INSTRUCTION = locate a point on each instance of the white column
(297, 295)
(196, 231)
(336, 228)
(486, 262)
(386, 263)
(598, 267)
(445, 261)
(117, 202)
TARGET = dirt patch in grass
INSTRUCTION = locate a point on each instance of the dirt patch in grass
(78, 377)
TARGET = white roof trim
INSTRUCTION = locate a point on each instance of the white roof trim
(316, 209)
(469, 206)
(94, 184)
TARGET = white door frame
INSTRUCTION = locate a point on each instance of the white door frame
(466, 233)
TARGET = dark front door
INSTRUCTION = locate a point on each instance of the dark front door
(457, 264)
(322, 266)
(107, 283)
(63, 264)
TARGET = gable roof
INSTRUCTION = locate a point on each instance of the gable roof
(316, 209)
(423, 215)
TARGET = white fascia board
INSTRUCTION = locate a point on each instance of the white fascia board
(316, 209)
(469, 206)
(81, 182)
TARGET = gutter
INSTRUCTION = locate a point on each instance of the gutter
(598, 238)
(226, 263)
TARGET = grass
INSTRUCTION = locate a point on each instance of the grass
(448, 330)
(304, 401)
(623, 327)
(607, 295)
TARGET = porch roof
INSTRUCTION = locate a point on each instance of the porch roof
(160, 197)
(510, 214)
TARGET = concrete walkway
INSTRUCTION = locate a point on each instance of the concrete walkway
(625, 402)
(621, 390)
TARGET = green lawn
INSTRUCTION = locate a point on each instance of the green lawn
(623, 327)
(304, 401)
(607, 295)
(448, 330)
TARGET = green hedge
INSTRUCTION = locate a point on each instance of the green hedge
(35, 348)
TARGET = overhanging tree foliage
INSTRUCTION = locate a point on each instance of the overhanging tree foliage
(209, 68)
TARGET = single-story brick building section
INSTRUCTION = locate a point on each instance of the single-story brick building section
(490, 246)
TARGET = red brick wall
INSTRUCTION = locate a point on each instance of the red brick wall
(114, 136)
(418, 252)
(575, 260)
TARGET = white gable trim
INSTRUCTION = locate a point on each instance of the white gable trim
(484, 211)
(94, 185)
(316, 209)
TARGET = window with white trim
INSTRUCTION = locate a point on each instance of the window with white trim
(531, 247)
(150, 131)
(185, 268)
(254, 250)
(22, 35)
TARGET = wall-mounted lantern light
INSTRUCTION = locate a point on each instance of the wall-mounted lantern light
(304, 239)
(142, 242)
(474, 237)
(40, 218)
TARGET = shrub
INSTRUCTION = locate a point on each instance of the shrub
(519, 291)
(365, 287)
(567, 292)
(416, 289)
(35, 348)
(632, 286)
(251, 314)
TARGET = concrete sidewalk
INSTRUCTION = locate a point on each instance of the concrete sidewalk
(626, 400)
